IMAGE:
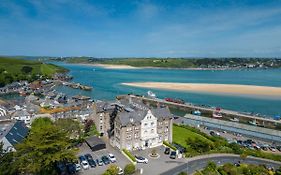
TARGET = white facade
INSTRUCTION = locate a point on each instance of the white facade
(149, 136)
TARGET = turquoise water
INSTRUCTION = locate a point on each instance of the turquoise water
(106, 83)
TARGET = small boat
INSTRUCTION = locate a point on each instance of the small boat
(234, 120)
(197, 112)
(151, 94)
(217, 115)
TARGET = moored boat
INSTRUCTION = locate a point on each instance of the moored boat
(151, 94)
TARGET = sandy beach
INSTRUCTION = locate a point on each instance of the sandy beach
(111, 66)
(231, 89)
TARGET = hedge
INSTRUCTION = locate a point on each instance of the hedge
(130, 155)
(169, 145)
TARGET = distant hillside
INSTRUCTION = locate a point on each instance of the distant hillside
(12, 69)
(213, 63)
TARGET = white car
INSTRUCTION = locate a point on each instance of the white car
(84, 162)
(140, 159)
(77, 167)
(85, 165)
(111, 157)
(120, 171)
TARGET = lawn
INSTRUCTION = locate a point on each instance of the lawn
(180, 135)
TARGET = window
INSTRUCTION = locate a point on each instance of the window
(145, 124)
(152, 131)
(100, 127)
(145, 131)
(136, 135)
(152, 123)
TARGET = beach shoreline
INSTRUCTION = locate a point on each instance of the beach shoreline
(123, 66)
(223, 89)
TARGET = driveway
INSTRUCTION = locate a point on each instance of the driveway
(121, 160)
(159, 165)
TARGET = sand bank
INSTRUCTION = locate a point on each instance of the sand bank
(111, 66)
(231, 89)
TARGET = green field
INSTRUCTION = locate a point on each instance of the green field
(180, 135)
(12, 69)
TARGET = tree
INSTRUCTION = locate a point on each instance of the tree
(45, 146)
(129, 169)
(7, 165)
(243, 156)
(26, 69)
(182, 173)
(112, 170)
(70, 126)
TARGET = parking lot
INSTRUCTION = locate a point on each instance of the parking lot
(121, 160)
(158, 165)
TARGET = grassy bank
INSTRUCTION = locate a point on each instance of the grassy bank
(12, 69)
(199, 143)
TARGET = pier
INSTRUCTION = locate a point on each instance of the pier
(227, 115)
(75, 85)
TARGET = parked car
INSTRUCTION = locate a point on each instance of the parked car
(272, 148)
(167, 150)
(71, 168)
(140, 159)
(120, 171)
(105, 160)
(77, 167)
(278, 148)
(90, 160)
(83, 162)
(173, 155)
(265, 148)
(99, 162)
(112, 158)
(61, 168)
(180, 148)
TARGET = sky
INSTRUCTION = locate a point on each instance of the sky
(135, 28)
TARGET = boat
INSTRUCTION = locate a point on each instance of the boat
(86, 88)
(151, 94)
(234, 120)
(197, 112)
(217, 115)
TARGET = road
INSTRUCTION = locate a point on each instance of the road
(200, 162)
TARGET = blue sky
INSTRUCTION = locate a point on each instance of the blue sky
(121, 28)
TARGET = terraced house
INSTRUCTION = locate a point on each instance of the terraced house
(133, 125)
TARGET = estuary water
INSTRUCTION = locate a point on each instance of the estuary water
(107, 85)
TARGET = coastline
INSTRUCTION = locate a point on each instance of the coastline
(223, 89)
(123, 66)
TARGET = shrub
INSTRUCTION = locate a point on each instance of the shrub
(112, 170)
(169, 145)
(130, 155)
(129, 169)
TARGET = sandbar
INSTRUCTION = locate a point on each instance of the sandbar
(231, 89)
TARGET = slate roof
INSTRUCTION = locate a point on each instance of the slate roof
(126, 117)
(102, 106)
(94, 141)
(135, 116)
(20, 113)
(16, 132)
(161, 113)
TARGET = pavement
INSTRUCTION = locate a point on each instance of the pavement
(121, 160)
(200, 162)
(158, 165)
